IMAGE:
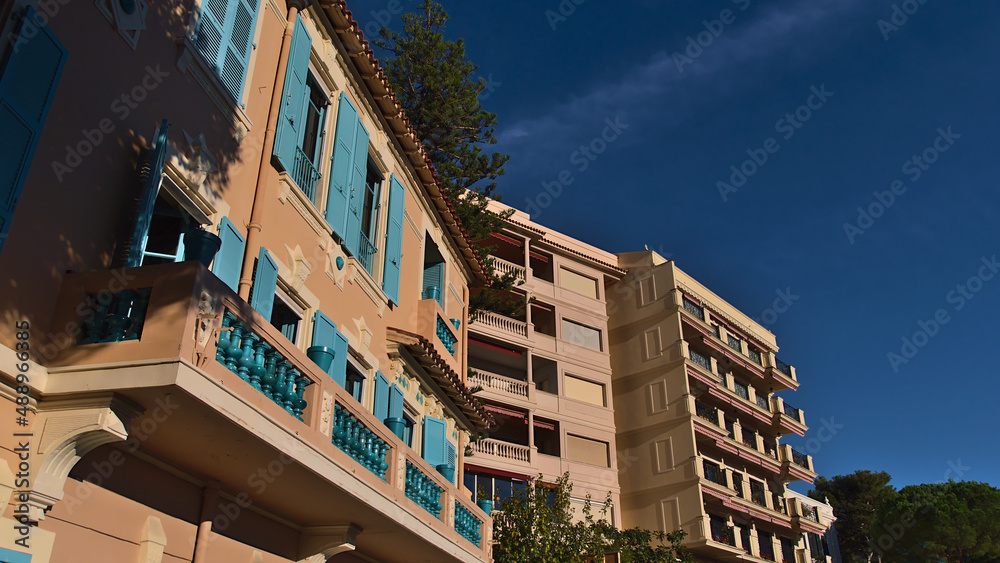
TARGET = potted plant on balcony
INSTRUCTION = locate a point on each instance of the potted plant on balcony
(447, 470)
(484, 501)
(432, 292)
(397, 426)
(201, 245)
(322, 356)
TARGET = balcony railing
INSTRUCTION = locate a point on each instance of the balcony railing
(762, 403)
(504, 450)
(757, 495)
(445, 336)
(355, 439)
(501, 383)
(694, 308)
(700, 359)
(734, 343)
(782, 366)
(742, 390)
(755, 356)
(305, 174)
(723, 533)
(366, 253)
(467, 525)
(749, 439)
(248, 355)
(500, 322)
(793, 412)
(765, 547)
(800, 459)
(710, 414)
(738, 484)
(117, 316)
(504, 268)
(421, 489)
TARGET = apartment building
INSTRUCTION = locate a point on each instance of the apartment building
(697, 412)
(217, 232)
(819, 547)
(546, 377)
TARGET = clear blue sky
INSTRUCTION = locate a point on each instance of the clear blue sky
(923, 84)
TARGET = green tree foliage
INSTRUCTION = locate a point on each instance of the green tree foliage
(434, 82)
(537, 526)
(943, 522)
(856, 499)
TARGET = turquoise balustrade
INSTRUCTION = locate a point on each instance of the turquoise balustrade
(466, 524)
(246, 354)
(445, 336)
(117, 316)
(356, 440)
(422, 490)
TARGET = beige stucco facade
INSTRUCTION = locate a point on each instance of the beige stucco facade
(697, 414)
(547, 376)
(167, 417)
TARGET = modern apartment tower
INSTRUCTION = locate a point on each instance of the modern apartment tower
(698, 422)
(546, 376)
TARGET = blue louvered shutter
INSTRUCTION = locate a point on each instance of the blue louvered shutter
(356, 201)
(434, 277)
(450, 457)
(225, 39)
(434, 440)
(151, 176)
(292, 115)
(394, 240)
(27, 87)
(339, 368)
(229, 259)
(395, 402)
(9, 556)
(342, 168)
(381, 406)
(265, 282)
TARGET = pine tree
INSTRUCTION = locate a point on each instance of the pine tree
(434, 82)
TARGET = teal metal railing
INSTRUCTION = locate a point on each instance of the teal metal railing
(445, 336)
(356, 440)
(305, 174)
(366, 253)
(467, 525)
(249, 356)
(422, 490)
(117, 316)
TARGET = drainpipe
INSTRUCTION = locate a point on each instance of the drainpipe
(209, 496)
(251, 251)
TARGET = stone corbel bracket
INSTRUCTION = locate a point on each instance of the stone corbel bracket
(69, 429)
(320, 543)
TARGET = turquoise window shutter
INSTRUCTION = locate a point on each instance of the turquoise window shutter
(395, 402)
(381, 407)
(450, 457)
(353, 227)
(394, 240)
(291, 116)
(9, 556)
(225, 38)
(147, 199)
(342, 168)
(434, 440)
(265, 282)
(434, 277)
(325, 333)
(229, 260)
(27, 87)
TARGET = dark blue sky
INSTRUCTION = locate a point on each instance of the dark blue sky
(926, 87)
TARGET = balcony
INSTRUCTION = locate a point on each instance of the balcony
(442, 335)
(305, 174)
(504, 325)
(506, 451)
(501, 384)
(242, 388)
(366, 253)
(796, 465)
(806, 517)
(693, 308)
(782, 375)
(787, 419)
(504, 268)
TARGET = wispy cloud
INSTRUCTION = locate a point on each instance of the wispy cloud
(790, 32)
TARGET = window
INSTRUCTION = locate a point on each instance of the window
(286, 318)
(584, 390)
(586, 450)
(433, 278)
(369, 218)
(582, 335)
(734, 343)
(499, 488)
(164, 241)
(578, 283)
(224, 37)
(411, 423)
(355, 383)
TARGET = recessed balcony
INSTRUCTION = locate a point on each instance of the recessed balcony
(239, 382)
